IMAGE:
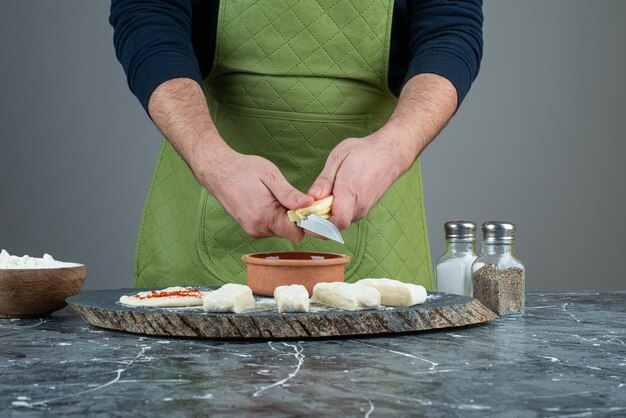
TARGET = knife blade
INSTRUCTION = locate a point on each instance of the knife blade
(321, 227)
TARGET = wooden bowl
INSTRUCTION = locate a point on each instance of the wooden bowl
(267, 271)
(32, 293)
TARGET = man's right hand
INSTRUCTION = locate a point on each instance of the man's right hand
(251, 189)
(255, 194)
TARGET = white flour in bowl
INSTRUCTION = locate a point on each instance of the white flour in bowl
(8, 261)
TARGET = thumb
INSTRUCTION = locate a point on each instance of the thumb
(323, 185)
(287, 195)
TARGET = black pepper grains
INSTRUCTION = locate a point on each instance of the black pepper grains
(501, 290)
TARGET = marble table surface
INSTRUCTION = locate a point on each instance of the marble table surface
(565, 357)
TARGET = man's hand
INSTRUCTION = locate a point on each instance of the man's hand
(251, 189)
(359, 171)
(255, 193)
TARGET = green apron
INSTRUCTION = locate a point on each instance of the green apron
(290, 80)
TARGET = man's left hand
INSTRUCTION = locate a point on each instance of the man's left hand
(359, 171)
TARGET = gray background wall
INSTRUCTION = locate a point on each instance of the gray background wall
(540, 140)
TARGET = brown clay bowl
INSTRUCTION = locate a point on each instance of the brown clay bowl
(267, 271)
(32, 293)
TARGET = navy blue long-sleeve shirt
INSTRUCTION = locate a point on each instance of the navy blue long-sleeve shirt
(158, 40)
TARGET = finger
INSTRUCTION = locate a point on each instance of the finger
(323, 185)
(285, 193)
(257, 231)
(281, 226)
(344, 205)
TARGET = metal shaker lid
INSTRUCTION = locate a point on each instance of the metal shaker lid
(498, 232)
(460, 231)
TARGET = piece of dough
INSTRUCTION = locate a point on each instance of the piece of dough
(397, 293)
(349, 296)
(229, 298)
(293, 298)
(170, 297)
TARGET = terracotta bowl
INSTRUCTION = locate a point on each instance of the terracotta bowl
(267, 271)
(32, 293)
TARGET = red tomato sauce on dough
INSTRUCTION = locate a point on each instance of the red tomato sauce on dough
(189, 293)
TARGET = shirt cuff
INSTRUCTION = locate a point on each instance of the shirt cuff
(159, 68)
(445, 64)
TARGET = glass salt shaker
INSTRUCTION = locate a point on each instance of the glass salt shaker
(497, 274)
(453, 273)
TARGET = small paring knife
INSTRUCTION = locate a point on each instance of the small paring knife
(321, 227)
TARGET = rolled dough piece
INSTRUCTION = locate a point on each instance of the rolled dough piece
(396, 293)
(293, 298)
(171, 297)
(349, 296)
(229, 298)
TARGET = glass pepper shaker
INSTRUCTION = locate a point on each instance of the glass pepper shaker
(497, 274)
(453, 273)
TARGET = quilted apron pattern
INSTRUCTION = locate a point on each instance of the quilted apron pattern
(290, 80)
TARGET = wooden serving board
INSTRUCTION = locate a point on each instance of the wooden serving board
(442, 310)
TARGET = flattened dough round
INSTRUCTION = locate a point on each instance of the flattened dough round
(174, 301)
